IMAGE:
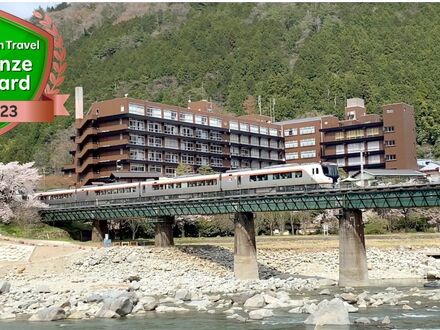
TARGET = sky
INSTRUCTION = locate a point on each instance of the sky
(24, 9)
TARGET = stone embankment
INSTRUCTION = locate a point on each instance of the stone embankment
(134, 281)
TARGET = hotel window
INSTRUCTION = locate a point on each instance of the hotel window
(235, 163)
(187, 131)
(137, 154)
(171, 143)
(202, 160)
(154, 156)
(244, 139)
(291, 155)
(218, 162)
(273, 143)
(187, 159)
(201, 120)
(136, 124)
(202, 134)
(290, 132)
(390, 143)
(340, 162)
(388, 129)
(307, 130)
(186, 117)
(137, 168)
(187, 145)
(373, 131)
(264, 142)
(354, 147)
(154, 112)
(171, 157)
(245, 163)
(264, 154)
(244, 152)
(244, 127)
(354, 161)
(255, 141)
(273, 155)
(170, 129)
(154, 127)
(215, 122)
(374, 159)
(255, 153)
(154, 141)
(170, 172)
(216, 136)
(235, 151)
(291, 144)
(234, 138)
(254, 129)
(155, 169)
(390, 111)
(373, 146)
(340, 149)
(263, 130)
(339, 136)
(202, 147)
(216, 149)
(307, 142)
(137, 139)
(308, 154)
(273, 132)
(390, 157)
(136, 109)
(233, 125)
(171, 115)
(355, 134)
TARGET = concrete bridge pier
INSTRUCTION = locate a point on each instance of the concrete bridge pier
(245, 249)
(99, 229)
(353, 270)
(164, 232)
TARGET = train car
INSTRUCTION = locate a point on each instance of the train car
(266, 180)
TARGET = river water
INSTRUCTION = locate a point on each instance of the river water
(424, 316)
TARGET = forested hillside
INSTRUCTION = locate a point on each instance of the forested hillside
(309, 57)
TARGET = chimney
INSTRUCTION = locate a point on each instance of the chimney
(79, 106)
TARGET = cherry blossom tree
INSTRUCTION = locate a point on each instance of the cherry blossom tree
(17, 186)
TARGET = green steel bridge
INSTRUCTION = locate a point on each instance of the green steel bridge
(393, 196)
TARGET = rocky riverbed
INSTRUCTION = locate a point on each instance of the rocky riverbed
(137, 281)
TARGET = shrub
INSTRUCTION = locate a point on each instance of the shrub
(376, 226)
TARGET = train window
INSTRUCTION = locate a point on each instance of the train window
(317, 170)
(276, 176)
(298, 174)
(178, 185)
(286, 175)
(155, 187)
(144, 189)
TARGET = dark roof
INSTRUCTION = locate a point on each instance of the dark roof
(135, 175)
(389, 172)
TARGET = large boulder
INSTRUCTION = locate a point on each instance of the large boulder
(4, 287)
(260, 314)
(149, 303)
(49, 314)
(329, 313)
(183, 294)
(256, 301)
(120, 305)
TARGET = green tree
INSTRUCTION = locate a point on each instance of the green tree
(183, 169)
(205, 169)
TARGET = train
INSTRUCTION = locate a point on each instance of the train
(272, 179)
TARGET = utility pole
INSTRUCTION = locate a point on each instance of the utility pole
(362, 165)
(259, 104)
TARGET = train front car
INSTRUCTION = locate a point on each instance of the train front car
(331, 170)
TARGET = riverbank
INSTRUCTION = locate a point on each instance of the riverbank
(82, 282)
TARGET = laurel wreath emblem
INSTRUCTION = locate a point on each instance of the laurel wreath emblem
(59, 65)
